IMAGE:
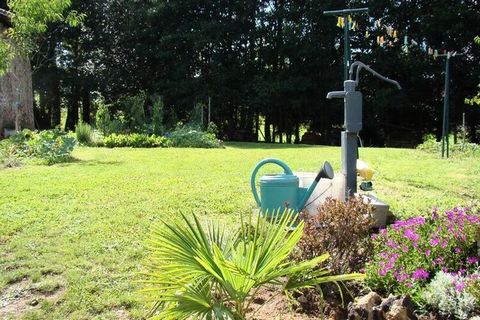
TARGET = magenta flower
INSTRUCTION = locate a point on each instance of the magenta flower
(434, 242)
(458, 250)
(410, 234)
(472, 260)
(420, 274)
(459, 286)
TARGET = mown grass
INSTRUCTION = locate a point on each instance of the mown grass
(80, 226)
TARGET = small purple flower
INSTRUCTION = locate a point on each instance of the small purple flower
(435, 214)
(420, 274)
(459, 285)
(428, 252)
(410, 234)
(472, 260)
(458, 250)
(434, 242)
(439, 260)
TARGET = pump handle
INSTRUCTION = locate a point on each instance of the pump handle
(360, 65)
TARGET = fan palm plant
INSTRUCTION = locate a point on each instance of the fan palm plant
(207, 272)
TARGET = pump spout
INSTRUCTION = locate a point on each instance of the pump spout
(336, 94)
(325, 172)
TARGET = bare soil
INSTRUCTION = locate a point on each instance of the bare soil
(21, 297)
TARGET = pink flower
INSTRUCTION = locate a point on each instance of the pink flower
(434, 242)
(472, 260)
(458, 250)
(420, 274)
(459, 285)
(428, 252)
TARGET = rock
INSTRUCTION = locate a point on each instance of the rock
(363, 307)
(401, 309)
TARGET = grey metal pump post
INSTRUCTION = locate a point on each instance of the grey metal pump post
(353, 108)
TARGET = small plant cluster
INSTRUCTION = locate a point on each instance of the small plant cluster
(412, 251)
(48, 146)
(461, 148)
(189, 137)
(199, 271)
(125, 124)
(135, 140)
(449, 294)
(327, 232)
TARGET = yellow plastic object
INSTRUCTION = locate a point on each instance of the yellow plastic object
(364, 171)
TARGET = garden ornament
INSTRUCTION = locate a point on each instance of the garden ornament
(281, 191)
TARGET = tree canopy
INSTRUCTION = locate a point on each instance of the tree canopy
(264, 66)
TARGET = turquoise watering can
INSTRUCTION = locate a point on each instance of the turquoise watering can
(281, 191)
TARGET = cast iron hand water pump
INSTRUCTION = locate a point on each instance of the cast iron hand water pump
(353, 101)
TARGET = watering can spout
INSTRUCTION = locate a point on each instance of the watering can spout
(325, 172)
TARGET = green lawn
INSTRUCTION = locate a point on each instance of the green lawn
(71, 235)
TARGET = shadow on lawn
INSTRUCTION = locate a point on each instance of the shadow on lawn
(261, 145)
(76, 161)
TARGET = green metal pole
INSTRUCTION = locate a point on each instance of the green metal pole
(346, 49)
(346, 34)
(445, 131)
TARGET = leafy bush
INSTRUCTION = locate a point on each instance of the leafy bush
(135, 140)
(206, 272)
(84, 133)
(157, 116)
(103, 121)
(410, 252)
(447, 293)
(133, 108)
(50, 146)
(431, 145)
(188, 137)
(325, 232)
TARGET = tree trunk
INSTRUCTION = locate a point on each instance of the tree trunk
(86, 105)
(72, 111)
(268, 137)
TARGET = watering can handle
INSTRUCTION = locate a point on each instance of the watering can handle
(286, 169)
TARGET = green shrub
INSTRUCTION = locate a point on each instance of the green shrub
(84, 133)
(207, 272)
(103, 121)
(49, 146)
(157, 116)
(133, 109)
(188, 137)
(460, 149)
(135, 140)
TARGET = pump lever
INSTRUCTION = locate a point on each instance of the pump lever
(360, 65)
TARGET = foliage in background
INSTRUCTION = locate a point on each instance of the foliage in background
(189, 137)
(135, 140)
(325, 232)
(84, 133)
(208, 272)
(49, 146)
(133, 109)
(103, 120)
(157, 115)
(459, 149)
(448, 294)
(30, 19)
(410, 252)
